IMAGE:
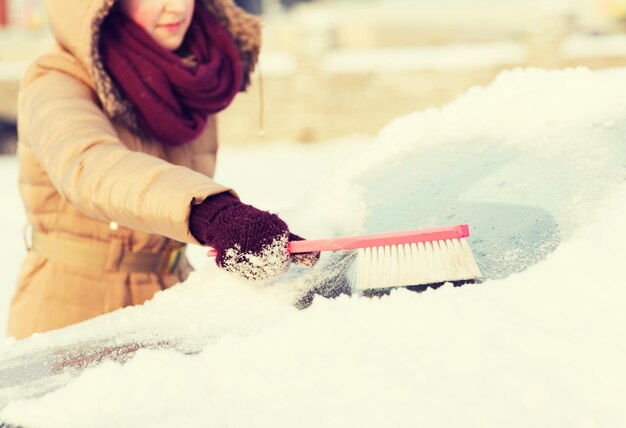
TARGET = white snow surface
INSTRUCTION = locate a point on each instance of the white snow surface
(544, 347)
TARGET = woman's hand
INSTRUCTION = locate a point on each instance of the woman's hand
(250, 243)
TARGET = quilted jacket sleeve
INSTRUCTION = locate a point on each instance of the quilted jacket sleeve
(79, 149)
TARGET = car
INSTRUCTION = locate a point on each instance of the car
(524, 161)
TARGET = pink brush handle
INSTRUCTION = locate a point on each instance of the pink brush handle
(379, 240)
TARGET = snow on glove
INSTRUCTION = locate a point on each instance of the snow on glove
(250, 243)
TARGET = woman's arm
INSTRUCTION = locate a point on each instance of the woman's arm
(87, 163)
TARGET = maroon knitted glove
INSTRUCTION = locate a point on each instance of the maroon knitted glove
(250, 243)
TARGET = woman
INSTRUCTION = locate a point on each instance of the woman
(117, 145)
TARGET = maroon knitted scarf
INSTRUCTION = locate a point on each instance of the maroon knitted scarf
(172, 97)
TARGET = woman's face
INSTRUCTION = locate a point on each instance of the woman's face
(166, 21)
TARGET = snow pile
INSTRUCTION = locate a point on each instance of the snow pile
(539, 348)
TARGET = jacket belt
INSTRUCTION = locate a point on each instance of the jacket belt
(112, 256)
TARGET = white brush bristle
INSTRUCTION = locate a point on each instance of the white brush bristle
(414, 264)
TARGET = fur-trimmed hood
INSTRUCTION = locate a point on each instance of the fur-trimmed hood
(76, 27)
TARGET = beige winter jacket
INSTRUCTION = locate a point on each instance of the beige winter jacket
(87, 175)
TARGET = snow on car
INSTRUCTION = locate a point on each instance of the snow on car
(535, 163)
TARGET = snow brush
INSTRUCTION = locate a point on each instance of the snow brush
(401, 259)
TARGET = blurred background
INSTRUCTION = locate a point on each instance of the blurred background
(332, 68)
